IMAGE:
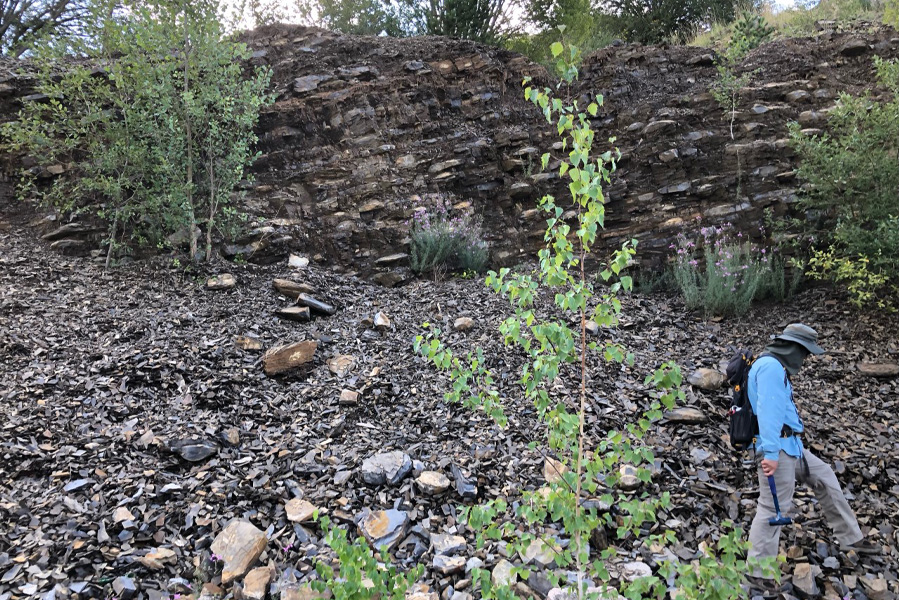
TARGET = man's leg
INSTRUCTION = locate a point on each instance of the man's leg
(763, 537)
(836, 508)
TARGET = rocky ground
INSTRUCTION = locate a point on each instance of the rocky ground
(110, 380)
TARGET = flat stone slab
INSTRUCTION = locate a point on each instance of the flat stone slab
(239, 546)
(879, 369)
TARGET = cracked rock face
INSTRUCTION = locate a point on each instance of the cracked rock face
(388, 468)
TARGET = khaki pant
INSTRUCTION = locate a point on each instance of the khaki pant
(840, 517)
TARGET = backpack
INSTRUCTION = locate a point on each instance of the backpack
(743, 426)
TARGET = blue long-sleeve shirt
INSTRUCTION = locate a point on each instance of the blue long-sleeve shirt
(770, 396)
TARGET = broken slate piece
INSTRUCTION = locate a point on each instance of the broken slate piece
(77, 484)
(315, 305)
(685, 414)
(193, 450)
(386, 468)
(281, 359)
(448, 565)
(299, 511)
(445, 543)
(384, 528)
(464, 486)
(238, 545)
(294, 313)
(225, 281)
(292, 289)
(382, 322)
(124, 588)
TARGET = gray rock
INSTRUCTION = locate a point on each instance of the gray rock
(309, 82)
(685, 414)
(855, 47)
(675, 188)
(448, 565)
(387, 468)
(669, 155)
(124, 587)
(298, 262)
(463, 324)
(193, 450)
(804, 581)
(503, 575)
(628, 479)
(707, 379)
(382, 321)
(797, 96)
(633, 571)
(384, 528)
(655, 126)
(225, 281)
(315, 304)
(445, 543)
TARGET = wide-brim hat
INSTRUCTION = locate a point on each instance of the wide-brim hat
(802, 334)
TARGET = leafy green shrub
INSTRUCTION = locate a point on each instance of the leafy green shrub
(656, 21)
(360, 576)
(862, 283)
(440, 240)
(851, 200)
(156, 140)
(731, 274)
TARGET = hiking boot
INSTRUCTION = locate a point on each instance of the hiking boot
(759, 586)
(862, 547)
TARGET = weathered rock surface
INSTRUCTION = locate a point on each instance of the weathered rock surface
(356, 137)
(384, 528)
(685, 414)
(238, 545)
(226, 281)
(386, 468)
(299, 510)
(433, 482)
(282, 359)
(707, 379)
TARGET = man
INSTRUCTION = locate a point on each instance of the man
(783, 455)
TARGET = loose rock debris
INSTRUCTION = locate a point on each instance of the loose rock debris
(146, 452)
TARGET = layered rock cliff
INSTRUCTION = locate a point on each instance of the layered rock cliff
(364, 128)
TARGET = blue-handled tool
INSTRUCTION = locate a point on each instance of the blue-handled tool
(778, 519)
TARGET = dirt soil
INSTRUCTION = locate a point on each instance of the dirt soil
(103, 370)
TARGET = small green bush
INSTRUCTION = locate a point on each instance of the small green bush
(441, 240)
(731, 274)
(851, 197)
(361, 574)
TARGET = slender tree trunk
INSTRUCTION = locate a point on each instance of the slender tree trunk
(189, 138)
(112, 240)
(212, 208)
(583, 402)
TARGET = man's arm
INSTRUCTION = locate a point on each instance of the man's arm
(772, 399)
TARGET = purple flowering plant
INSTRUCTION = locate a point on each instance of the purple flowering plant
(445, 236)
(723, 272)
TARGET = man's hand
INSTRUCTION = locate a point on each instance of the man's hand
(769, 466)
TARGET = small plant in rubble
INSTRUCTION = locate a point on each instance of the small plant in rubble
(584, 496)
(723, 272)
(445, 237)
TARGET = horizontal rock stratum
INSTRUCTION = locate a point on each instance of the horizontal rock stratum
(364, 127)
